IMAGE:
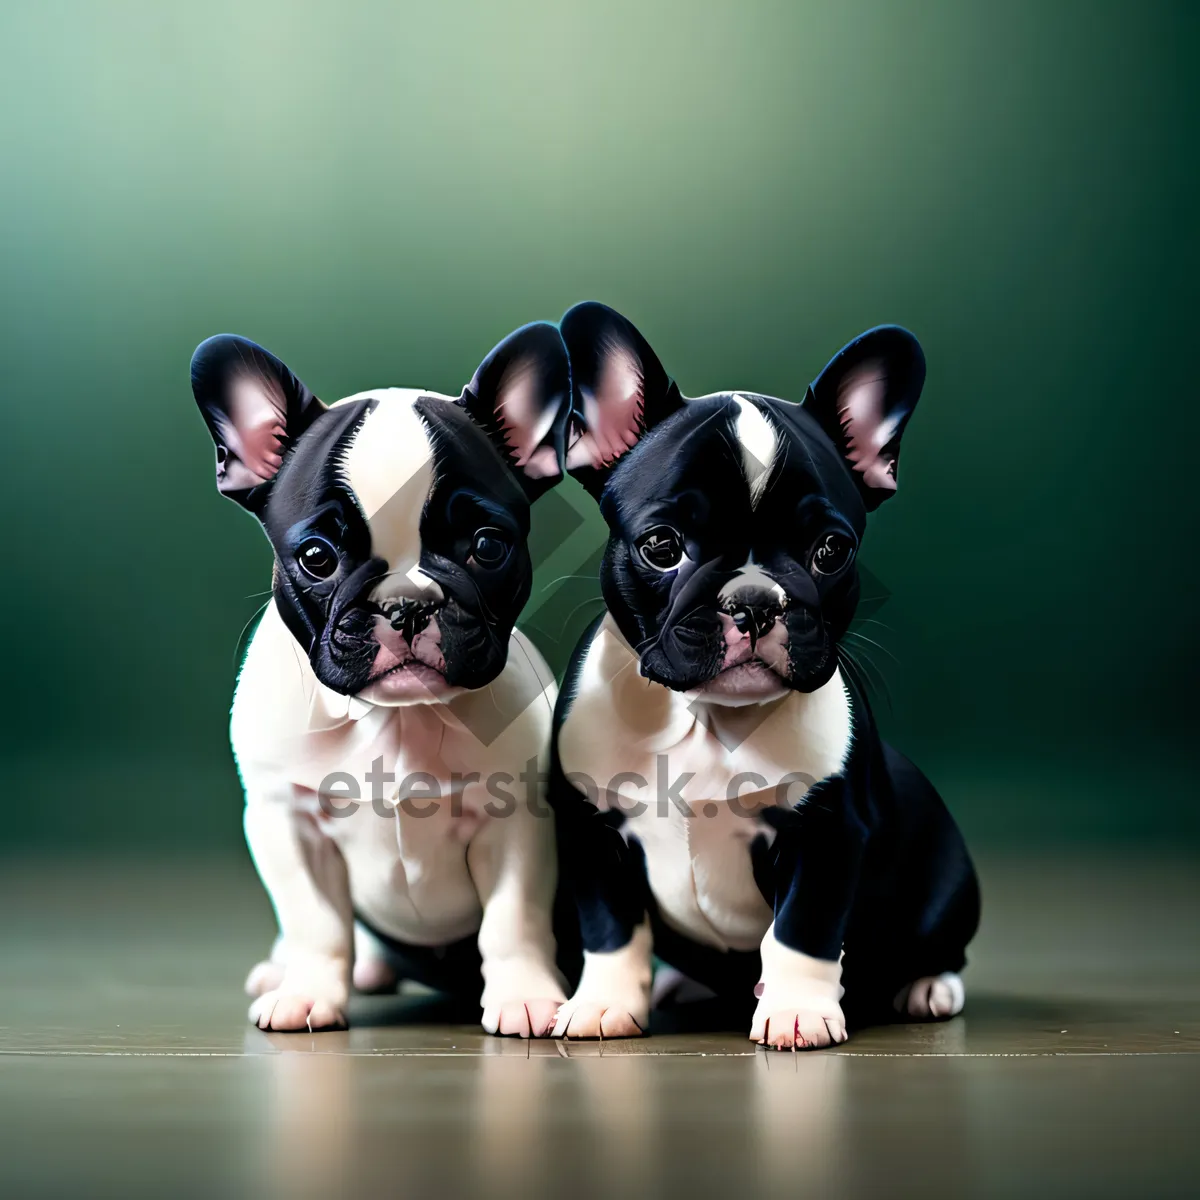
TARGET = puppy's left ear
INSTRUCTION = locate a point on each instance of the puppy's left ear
(621, 391)
(521, 397)
(255, 408)
(863, 400)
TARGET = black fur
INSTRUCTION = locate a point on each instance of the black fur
(870, 861)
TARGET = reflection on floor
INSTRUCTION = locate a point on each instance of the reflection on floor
(127, 1067)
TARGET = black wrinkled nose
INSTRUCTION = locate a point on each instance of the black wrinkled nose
(753, 613)
(409, 617)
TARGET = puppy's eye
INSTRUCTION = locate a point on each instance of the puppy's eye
(317, 558)
(490, 547)
(833, 552)
(662, 548)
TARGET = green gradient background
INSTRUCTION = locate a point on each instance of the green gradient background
(379, 192)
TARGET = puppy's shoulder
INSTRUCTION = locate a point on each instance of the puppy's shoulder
(276, 688)
(509, 720)
(605, 700)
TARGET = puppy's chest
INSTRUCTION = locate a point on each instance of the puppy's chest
(692, 780)
(385, 790)
(400, 790)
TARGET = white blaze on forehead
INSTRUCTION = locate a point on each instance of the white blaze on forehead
(752, 576)
(389, 466)
(759, 442)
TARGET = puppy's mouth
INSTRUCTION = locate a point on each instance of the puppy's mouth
(754, 665)
(409, 666)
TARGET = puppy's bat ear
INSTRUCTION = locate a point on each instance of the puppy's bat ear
(620, 390)
(863, 400)
(255, 408)
(521, 397)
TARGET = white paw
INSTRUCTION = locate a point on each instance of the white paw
(265, 976)
(522, 1018)
(807, 1028)
(932, 997)
(613, 996)
(521, 995)
(286, 1011)
(798, 998)
(615, 1016)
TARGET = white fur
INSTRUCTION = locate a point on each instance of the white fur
(427, 880)
(751, 575)
(760, 444)
(699, 867)
(389, 466)
(932, 997)
(613, 996)
(798, 1005)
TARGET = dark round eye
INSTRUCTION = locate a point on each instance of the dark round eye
(490, 547)
(317, 558)
(833, 552)
(662, 548)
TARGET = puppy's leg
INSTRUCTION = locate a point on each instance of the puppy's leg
(609, 886)
(613, 996)
(798, 1005)
(373, 969)
(305, 876)
(818, 852)
(511, 860)
(932, 997)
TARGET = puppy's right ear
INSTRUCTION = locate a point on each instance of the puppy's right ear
(255, 408)
(620, 390)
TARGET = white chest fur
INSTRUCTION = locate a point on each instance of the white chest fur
(692, 776)
(407, 863)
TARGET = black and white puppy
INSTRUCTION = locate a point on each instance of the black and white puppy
(722, 795)
(386, 689)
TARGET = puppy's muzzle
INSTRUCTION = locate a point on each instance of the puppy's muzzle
(753, 611)
(409, 617)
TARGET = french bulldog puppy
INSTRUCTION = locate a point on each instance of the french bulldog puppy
(722, 795)
(387, 707)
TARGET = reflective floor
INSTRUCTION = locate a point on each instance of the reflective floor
(127, 1067)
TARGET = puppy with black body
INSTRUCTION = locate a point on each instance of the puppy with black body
(722, 795)
(385, 690)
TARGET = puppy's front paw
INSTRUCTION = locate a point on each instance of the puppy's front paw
(522, 1018)
(609, 1017)
(799, 1028)
(290, 1011)
(798, 1005)
(265, 976)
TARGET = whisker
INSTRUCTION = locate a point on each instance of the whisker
(586, 578)
(238, 646)
(862, 637)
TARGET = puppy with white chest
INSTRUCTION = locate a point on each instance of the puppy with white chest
(386, 692)
(723, 797)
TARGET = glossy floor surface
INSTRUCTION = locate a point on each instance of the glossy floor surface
(127, 1067)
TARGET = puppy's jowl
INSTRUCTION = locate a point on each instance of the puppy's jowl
(797, 857)
(399, 521)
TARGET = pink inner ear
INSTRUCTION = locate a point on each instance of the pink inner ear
(253, 429)
(867, 426)
(525, 422)
(612, 414)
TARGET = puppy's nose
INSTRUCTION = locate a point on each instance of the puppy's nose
(752, 611)
(409, 617)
